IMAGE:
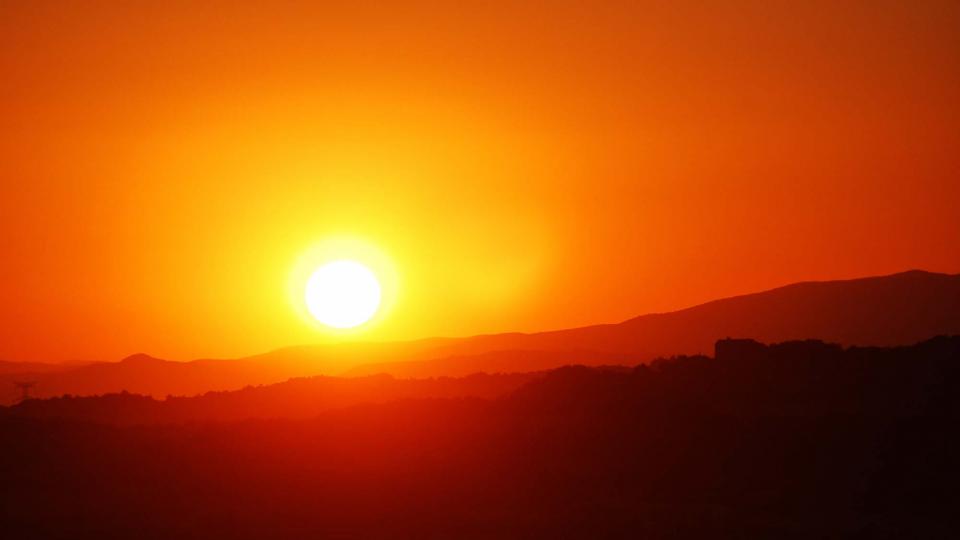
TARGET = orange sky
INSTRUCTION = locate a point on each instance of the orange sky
(165, 168)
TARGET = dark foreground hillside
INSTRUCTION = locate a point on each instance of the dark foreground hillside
(797, 440)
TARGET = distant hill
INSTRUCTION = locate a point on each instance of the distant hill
(509, 361)
(15, 372)
(141, 373)
(889, 310)
(144, 374)
(20, 368)
(295, 398)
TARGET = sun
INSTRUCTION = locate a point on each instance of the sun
(342, 294)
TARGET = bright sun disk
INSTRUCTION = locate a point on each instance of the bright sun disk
(343, 294)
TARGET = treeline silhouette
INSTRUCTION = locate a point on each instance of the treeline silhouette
(795, 440)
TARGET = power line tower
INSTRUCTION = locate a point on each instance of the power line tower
(25, 388)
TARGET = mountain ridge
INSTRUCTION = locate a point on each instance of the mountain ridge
(894, 309)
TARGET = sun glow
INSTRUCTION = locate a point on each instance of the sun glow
(343, 294)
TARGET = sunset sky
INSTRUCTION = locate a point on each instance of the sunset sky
(169, 171)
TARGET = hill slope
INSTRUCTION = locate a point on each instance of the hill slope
(889, 310)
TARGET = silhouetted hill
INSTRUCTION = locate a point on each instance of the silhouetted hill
(147, 375)
(494, 362)
(795, 440)
(15, 368)
(296, 398)
(143, 374)
(890, 310)
(14, 372)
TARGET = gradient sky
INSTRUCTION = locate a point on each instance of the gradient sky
(166, 167)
